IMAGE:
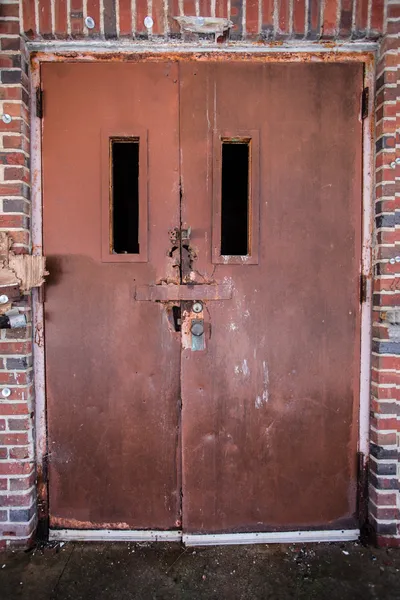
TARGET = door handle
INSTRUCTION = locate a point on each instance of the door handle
(197, 327)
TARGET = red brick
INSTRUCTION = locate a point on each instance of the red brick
(252, 17)
(267, 15)
(393, 11)
(9, 10)
(19, 453)
(385, 513)
(6, 62)
(11, 93)
(16, 500)
(28, 11)
(174, 11)
(13, 127)
(21, 393)
(2, 424)
(14, 141)
(3, 453)
(9, 27)
(383, 377)
(15, 174)
(361, 19)
(12, 439)
(22, 483)
(19, 424)
(383, 439)
(11, 189)
(45, 17)
(125, 18)
(15, 468)
(61, 18)
(221, 8)
(12, 158)
(392, 28)
(141, 14)
(314, 19)
(15, 347)
(383, 424)
(3, 485)
(9, 409)
(346, 15)
(299, 17)
(76, 22)
(158, 16)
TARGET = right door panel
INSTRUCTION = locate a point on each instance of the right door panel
(269, 425)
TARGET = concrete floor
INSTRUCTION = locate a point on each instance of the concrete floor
(167, 571)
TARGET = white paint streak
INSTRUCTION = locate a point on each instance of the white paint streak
(264, 397)
(117, 17)
(53, 16)
(133, 13)
(37, 22)
(101, 17)
(21, 18)
(69, 17)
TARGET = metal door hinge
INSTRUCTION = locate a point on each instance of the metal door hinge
(364, 103)
(39, 103)
(363, 288)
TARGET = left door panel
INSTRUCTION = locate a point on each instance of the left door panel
(112, 364)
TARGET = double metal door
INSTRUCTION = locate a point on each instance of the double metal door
(202, 228)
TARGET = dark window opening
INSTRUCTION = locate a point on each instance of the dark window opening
(235, 198)
(125, 196)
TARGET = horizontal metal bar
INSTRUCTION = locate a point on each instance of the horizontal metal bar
(275, 537)
(219, 539)
(165, 293)
(155, 47)
(103, 535)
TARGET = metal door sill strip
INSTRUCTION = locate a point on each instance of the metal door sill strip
(273, 537)
(113, 535)
(209, 539)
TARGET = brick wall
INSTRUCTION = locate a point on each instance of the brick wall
(268, 21)
(385, 389)
(17, 473)
(252, 19)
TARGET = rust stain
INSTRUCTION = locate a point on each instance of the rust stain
(61, 523)
(39, 335)
(42, 491)
(213, 56)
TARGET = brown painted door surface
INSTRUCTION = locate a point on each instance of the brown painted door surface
(258, 430)
(269, 423)
(112, 363)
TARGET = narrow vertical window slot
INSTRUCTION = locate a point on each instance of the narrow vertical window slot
(235, 203)
(124, 195)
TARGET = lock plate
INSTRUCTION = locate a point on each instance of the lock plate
(197, 334)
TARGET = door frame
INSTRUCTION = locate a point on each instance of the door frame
(94, 52)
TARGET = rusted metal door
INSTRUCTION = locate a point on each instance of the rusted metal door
(239, 369)
(112, 363)
(269, 422)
